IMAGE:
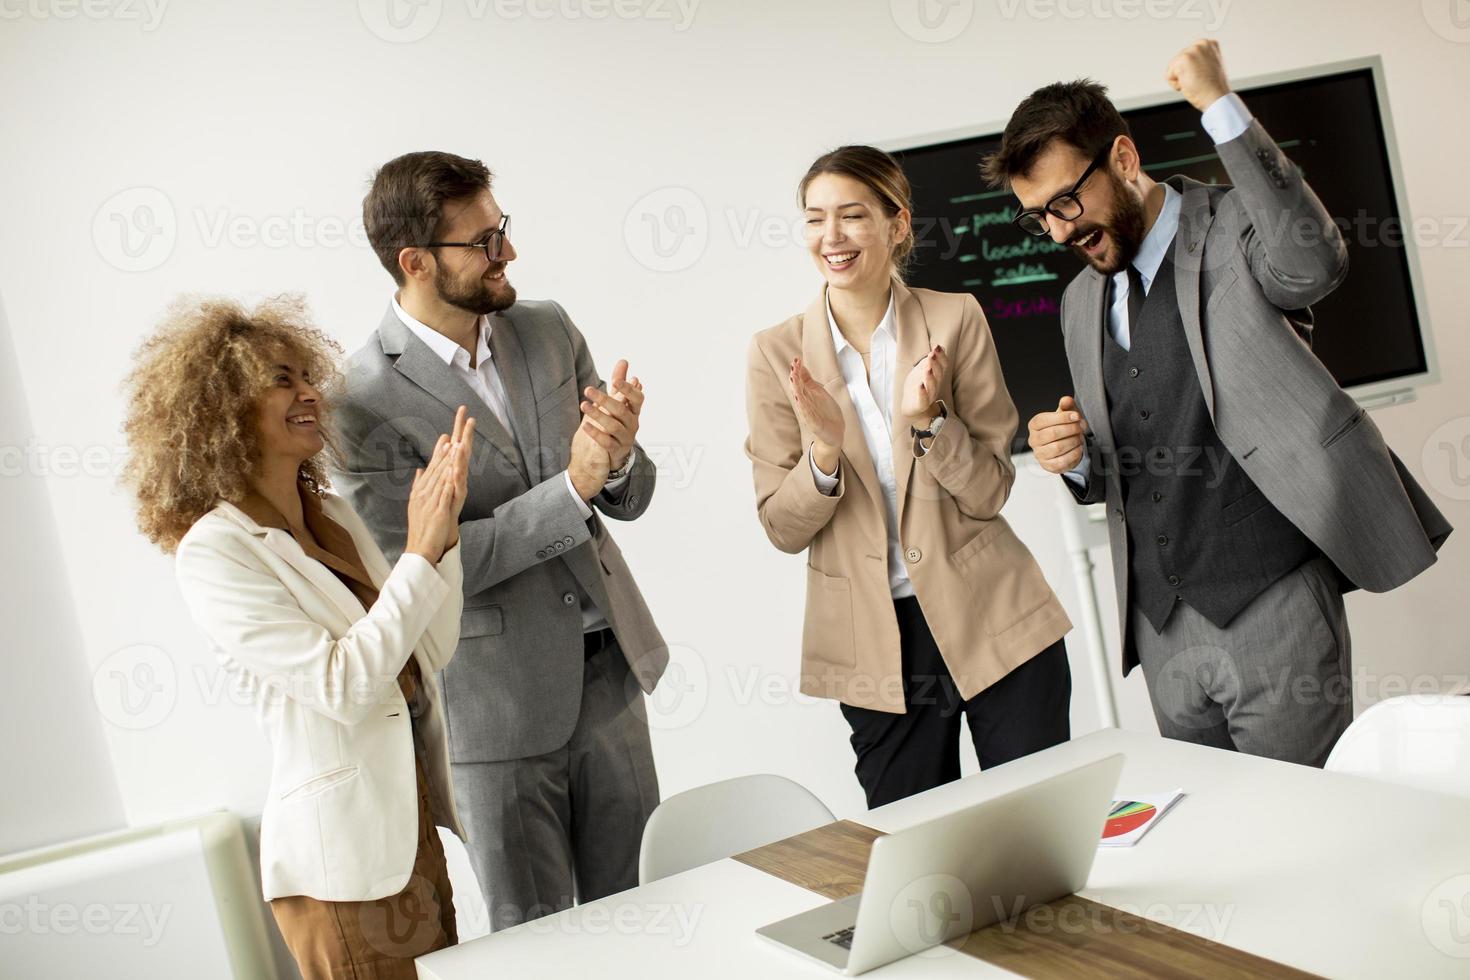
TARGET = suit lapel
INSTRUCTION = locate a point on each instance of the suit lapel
(1090, 333)
(1189, 248)
(913, 344)
(283, 544)
(520, 397)
(416, 362)
(326, 581)
(819, 354)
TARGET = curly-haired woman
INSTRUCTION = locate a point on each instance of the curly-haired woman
(227, 430)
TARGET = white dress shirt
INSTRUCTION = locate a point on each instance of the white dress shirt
(484, 380)
(871, 391)
(1225, 119)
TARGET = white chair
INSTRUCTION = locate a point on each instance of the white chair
(712, 822)
(1419, 740)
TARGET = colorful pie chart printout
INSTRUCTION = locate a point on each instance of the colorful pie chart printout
(1126, 816)
(1129, 819)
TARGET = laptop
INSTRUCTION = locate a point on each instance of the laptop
(951, 875)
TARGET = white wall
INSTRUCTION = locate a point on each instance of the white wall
(47, 700)
(243, 135)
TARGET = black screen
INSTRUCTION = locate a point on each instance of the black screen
(1367, 330)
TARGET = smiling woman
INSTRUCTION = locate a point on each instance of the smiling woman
(337, 649)
(199, 388)
(879, 433)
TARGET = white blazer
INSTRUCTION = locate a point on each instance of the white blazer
(341, 821)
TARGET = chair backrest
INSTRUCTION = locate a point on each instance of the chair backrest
(1416, 740)
(712, 822)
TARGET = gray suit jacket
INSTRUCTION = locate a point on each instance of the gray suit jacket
(514, 688)
(1249, 261)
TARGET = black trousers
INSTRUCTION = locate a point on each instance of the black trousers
(900, 755)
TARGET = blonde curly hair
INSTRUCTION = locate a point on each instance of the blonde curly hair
(191, 405)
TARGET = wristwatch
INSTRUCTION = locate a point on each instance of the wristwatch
(622, 471)
(929, 432)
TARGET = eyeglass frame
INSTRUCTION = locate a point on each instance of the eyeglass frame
(498, 238)
(1073, 193)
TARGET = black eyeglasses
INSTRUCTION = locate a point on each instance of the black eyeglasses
(1066, 205)
(491, 246)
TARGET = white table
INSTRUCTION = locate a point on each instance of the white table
(1338, 875)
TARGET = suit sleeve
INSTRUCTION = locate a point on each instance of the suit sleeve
(253, 618)
(1294, 249)
(375, 473)
(791, 506)
(631, 499)
(441, 636)
(1093, 488)
(970, 457)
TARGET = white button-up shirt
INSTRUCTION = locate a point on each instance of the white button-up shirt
(871, 391)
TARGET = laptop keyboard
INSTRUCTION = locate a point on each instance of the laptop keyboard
(842, 937)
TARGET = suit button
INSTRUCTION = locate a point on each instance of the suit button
(567, 540)
(1174, 580)
(558, 547)
(913, 555)
(1133, 372)
(540, 554)
(1191, 246)
(1162, 539)
(1157, 496)
(1143, 414)
(569, 599)
(1118, 512)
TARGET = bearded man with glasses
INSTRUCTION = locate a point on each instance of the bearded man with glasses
(1245, 490)
(551, 764)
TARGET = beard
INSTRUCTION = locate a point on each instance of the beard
(1124, 225)
(480, 296)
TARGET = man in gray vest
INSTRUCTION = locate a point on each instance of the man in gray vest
(548, 738)
(1245, 490)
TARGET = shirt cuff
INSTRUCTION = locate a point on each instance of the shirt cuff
(1226, 118)
(1079, 474)
(582, 507)
(825, 483)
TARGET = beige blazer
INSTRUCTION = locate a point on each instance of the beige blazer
(340, 822)
(983, 595)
